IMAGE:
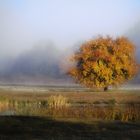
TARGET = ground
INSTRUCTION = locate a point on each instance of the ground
(41, 127)
(24, 127)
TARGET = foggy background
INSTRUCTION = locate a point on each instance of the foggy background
(37, 36)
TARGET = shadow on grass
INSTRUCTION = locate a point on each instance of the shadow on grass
(41, 128)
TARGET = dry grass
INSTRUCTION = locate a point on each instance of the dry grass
(60, 109)
(120, 97)
(85, 118)
(57, 101)
(127, 113)
(83, 104)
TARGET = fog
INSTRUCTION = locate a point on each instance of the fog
(44, 63)
(134, 34)
(37, 36)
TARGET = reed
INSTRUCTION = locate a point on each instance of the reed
(58, 107)
(57, 101)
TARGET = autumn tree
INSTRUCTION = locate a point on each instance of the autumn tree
(104, 62)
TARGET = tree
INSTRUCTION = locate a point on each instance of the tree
(104, 62)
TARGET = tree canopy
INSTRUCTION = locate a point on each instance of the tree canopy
(104, 62)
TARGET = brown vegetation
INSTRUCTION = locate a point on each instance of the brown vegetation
(58, 107)
(120, 97)
(91, 115)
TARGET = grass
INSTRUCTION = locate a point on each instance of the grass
(120, 97)
(25, 127)
(91, 115)
(57, 101)
(58, 107)
(97, 113)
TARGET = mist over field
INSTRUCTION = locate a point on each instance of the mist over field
(134, 34)
(38, 37)
(64, 66)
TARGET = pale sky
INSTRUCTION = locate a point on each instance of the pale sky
(25, 23)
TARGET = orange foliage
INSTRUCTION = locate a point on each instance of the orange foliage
(104, 62)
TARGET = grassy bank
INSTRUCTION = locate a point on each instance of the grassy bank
(40, 128)
(88, 115)
(119, 96)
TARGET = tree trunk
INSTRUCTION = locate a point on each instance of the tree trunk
(105, 88)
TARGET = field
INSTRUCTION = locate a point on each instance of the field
(111, 115)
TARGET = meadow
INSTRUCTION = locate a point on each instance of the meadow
(69, 113)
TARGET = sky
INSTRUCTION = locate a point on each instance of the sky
(26, 23)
